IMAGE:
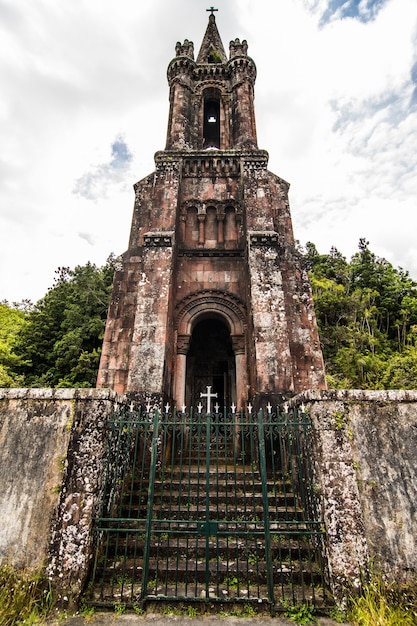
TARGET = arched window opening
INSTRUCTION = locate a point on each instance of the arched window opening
(230, 228)
(191, 228)
(211, 228)
(211, 124)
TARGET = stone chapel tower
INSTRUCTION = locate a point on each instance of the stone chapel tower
(211, 290)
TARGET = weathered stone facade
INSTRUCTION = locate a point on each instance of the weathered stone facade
(366, 477)
(53, 455)
(211, 290)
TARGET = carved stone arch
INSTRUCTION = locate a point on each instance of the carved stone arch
(213, 303)
(211, 83)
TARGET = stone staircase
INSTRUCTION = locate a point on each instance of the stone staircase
(205, 537)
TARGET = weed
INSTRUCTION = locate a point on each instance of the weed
(120, 608)
(123, 579)
(138, 609)
(87, 612)
(302, 614)
(339, 420)
(170, 610)
(338, 615)
(248, 611)
(252, 559)
(192, 611)
(24, 598)
(233, 583)
(385, 604)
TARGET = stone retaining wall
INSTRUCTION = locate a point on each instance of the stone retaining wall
(365, 446)
(53, 451)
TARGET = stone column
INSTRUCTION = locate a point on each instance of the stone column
(238, 344)
(183, 343)
(201, 236)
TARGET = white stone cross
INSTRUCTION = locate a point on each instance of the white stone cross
(209, 396)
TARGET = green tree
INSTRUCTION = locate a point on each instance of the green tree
(12, 320)
(60, 344)
(366, 312)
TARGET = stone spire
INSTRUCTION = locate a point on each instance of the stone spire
(212, 50)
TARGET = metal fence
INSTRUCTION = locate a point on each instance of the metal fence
(209, 507)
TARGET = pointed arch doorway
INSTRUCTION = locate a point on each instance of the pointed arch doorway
(211, 362)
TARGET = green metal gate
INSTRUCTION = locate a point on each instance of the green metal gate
(208, 507)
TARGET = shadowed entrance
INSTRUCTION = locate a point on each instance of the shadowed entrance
(211, 362)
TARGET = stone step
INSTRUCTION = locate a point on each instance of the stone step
(217, 570)
(282, 548)
(198, 476)
(231, 500)
(192, 511)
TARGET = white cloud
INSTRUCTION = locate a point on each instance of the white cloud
(335, 103)
(94, 184)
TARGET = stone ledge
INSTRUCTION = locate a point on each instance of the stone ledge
(60, 394)
(355, 395)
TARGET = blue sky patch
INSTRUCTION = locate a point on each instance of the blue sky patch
(121, 154)
(363, 10)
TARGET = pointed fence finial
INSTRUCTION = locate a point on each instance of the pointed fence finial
(167, 408)
(269, 408)
(233, 407)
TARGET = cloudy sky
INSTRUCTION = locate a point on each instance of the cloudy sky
(84, 107)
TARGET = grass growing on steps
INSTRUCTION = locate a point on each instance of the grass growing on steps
(25, 598)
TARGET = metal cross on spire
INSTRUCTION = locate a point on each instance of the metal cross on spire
(212, 9)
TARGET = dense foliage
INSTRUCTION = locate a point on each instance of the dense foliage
(367, 316)
(57, 343)
(366, 312)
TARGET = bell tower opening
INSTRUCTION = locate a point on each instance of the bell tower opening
(211, 123)
(211, 362)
